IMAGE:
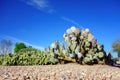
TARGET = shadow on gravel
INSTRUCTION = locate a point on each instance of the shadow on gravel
(116, 65)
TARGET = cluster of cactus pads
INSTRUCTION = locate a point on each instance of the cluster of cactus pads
(81, 47)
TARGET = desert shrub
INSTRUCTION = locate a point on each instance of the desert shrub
(26, 56)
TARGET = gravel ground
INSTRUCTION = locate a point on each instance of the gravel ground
(70, 71)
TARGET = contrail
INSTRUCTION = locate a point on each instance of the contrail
(72, 21)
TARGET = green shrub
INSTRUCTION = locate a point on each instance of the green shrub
(26, 56)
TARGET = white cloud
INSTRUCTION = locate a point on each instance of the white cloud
(39, 3)
(43, 5)
(71, 21)
(28, 44)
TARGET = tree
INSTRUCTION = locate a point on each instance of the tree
(19, 46)
(5, 46)
(116, 46)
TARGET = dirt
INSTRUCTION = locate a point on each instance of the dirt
(69, 71)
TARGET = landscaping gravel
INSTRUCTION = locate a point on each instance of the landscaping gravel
(69, 71)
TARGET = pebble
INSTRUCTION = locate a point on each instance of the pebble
(60, 72)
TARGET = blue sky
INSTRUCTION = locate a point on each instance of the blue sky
(41, 22)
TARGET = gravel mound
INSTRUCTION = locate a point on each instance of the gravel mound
(70, 71)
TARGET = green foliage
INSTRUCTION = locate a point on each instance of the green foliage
(19, 46)
(116, 46)
(26, 56)
(73, 46)
(6, 59)
(119, 54)
(87, 44)
(53, 60)
(86, 60)
(100, 54)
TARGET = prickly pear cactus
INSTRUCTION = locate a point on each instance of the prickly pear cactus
(80, 47)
